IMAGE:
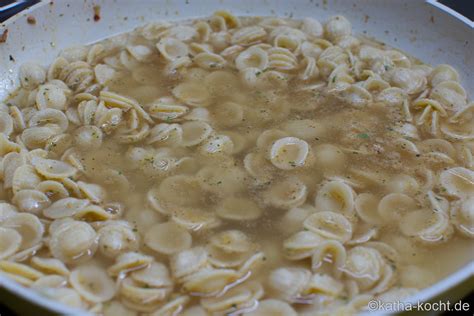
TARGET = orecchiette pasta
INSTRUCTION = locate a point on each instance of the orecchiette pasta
(92, 283)
(289, 153)
(73, 241)
(167, 238)
(336, 196)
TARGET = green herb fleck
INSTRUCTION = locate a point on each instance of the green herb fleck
(363, 135)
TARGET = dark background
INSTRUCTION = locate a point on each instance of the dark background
(465, 7)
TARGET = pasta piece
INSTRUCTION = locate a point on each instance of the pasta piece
(239, 142)
(287, 31)
(219, 144)
(194, 133)
(167, 238)
(312, 28)
(268, 138)
(229, 249)
(221, 83)
(192, 94)
(49, 281)
(104, 73)
(28, 225)
(336, 196)
(428, 226)
(273, 307)
(228, 114)
(337, 27)
(258, 167)
(231, 21)
(173, 307)
(209, 61)
(301, 245)
(450, 94)
(34, 137)
(73, 241)
(286, 194)
(222, 180)
(293, 219)
(141, 297)
(392, 96)
(210, 281)
(330, 158)
(324, 284)
(166, 134)
(403, 183)
(66, 207)
(31, 201)
(443, 73)
(195, 310)
(311, 69)
(289, 152)
(6, 123)
(116, 308)
(92, 283)
(254, 57)
(65, 296)
(88, 137)
(53, 169)
(364, 265)
(312, 50)
(354, 95)
(195, 219)
(394, 205)
(288, 282)
(188, 261)
(167, 109)
(10, 242)
(458, 181)
(462, 216)
(51, 96)
(236, 298)
(281, 59)
(366, 206)
(31, 75)
(129, 261)
(412, 276)
(330, 225)
(25, 177)
(239, 209)
(20, 272)
(336, 251)
(171, 48)
(408, 80)
(155, 275)
(248, 35)
(141, 53)
(176, 191)
(116, 238)
(50, 266)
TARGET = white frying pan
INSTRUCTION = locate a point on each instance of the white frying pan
(425, 30)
